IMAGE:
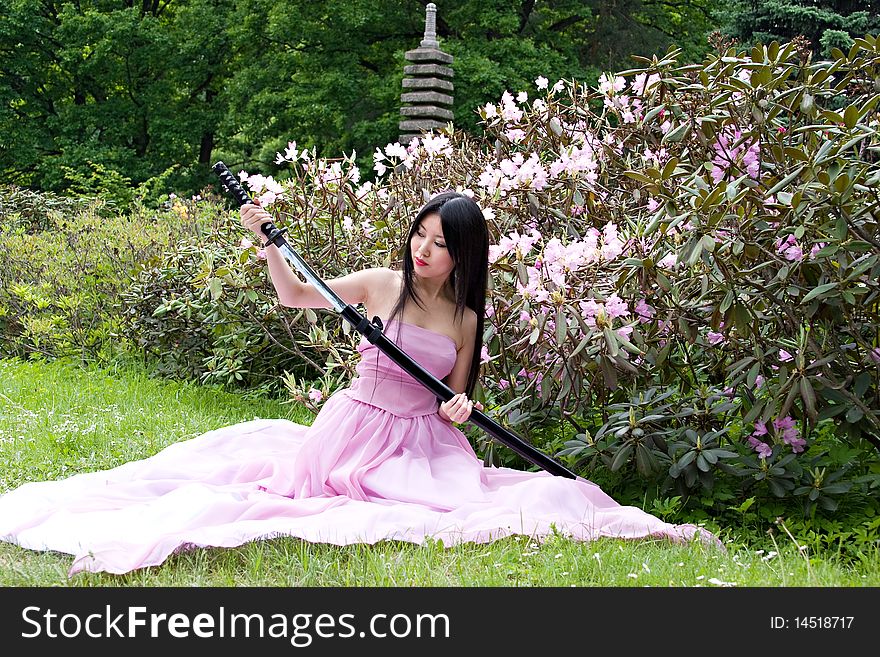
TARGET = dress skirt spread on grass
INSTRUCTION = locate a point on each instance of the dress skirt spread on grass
(378, 463)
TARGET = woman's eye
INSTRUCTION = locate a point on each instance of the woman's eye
(438, 245)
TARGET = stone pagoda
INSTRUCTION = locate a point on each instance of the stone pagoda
(427, 97)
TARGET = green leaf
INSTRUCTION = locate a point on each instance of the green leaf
(785, 181)
(635, 175)
(854, 414)
(677, 134)
(742, 318)
(611, 341)
(561, 327)
(609, 373)
(649, 116)
(669, 168)
(752, 376)
(583, 343)
(809, 398)
(862, 382)
(687, 459)
(621, 457)
(753, 412)
(818, 290)
(215, 285)
(534, 335)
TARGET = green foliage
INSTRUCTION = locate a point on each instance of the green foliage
(205, 310)
(63, 265)
(825, 24)
(93, 94)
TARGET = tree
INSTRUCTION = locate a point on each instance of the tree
(98, 90)
(329, 74)
(825, 23)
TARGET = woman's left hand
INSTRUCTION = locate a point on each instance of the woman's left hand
(459, 408)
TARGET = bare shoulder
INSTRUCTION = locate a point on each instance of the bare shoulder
(468, 327)
(381, 284)
(378, 277)
(384, 278)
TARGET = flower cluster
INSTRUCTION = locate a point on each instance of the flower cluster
(785, 428)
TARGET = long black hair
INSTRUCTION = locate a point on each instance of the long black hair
(467, 240)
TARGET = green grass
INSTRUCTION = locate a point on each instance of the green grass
(58, 419)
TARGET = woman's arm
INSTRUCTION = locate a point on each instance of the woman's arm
(458, 409)
(353, 288)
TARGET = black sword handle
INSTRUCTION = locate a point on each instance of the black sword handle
(230, 182)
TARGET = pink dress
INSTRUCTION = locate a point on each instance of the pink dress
(378, 463)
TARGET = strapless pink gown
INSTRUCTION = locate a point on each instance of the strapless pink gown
(378, 463)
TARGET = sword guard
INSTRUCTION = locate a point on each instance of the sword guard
(370, 330)
(274, 234)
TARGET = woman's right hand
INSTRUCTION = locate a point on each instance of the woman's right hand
(252, 217)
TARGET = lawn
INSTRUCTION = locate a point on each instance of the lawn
(61, 418)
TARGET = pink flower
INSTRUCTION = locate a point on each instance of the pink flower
(790, 434)
(592, 311)
(525, 374)
(785, 423)
(315, 395)
(484, 355)
(245, 243)
(643, 311)
(763, 449)
(790, 248)
(504, 384)
(796, 442)
(261, 254)
(515, 135)
(759, 381)
(715, 338)
(784, 356)
(875, 354)
(616, 307)
(727, 155)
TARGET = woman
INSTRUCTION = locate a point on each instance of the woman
(382, 460)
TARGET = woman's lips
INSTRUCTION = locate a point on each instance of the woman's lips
(420, 263)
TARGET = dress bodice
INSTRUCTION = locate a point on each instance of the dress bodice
(382, 383)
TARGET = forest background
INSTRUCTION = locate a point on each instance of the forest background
(108, 96)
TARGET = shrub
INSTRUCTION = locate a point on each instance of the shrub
(205, 310)
(685, 264)
(63, 265)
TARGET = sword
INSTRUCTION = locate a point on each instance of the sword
(372, 331)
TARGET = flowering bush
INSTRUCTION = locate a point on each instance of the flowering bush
(685, 264)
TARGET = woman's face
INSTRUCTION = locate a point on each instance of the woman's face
(428, 249)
